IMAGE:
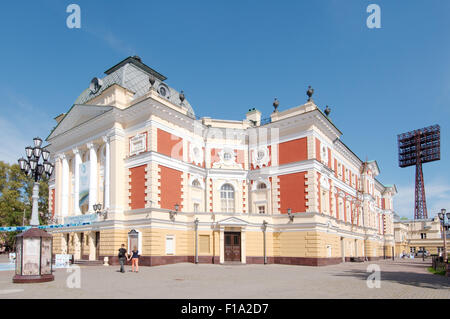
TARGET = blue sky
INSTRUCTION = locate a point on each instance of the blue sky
(229, 56)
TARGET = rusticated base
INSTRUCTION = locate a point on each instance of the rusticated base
(19, 279)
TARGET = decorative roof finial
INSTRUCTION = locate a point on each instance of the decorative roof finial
(310, 92)
(327, 111)
(182, 97)
(151, 79)
(275, 105)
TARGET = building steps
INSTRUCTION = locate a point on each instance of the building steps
(88, 262)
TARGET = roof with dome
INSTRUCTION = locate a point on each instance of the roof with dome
(134, 75)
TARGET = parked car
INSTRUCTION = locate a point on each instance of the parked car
(421, 253)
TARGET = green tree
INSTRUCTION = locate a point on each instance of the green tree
(16, 198)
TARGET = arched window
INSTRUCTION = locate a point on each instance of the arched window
(196, 183)
(227, 198)
(262, 185)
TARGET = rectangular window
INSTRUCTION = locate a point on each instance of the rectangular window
(170, 245)
(203, 244)
(423, 235)
(262, 209)
(196, 207)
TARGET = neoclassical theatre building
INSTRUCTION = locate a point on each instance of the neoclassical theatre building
(284, 189)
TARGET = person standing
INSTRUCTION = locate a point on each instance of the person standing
(122, 257)
(135, 259)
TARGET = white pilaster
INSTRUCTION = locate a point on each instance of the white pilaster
(107, 172)
(76, 198)
(222, 245)
(92, 176)
(65, 187)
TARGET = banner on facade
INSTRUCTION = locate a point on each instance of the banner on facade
(84, 184)
(24, 228)
(81, 219)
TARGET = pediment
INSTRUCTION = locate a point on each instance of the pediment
(77, 115)
(232, 221)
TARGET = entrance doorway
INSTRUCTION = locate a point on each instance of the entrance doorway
(232, 246)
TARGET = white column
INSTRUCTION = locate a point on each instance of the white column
(92, 176)
(76, 198)
(107, 172)
(65, 187)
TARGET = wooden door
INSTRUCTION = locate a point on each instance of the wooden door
(232, 246)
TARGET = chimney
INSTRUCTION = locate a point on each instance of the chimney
(254, 117)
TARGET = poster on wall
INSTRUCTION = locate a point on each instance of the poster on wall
(84, 184)
(46, 256)
(30, 255)
(19, 256)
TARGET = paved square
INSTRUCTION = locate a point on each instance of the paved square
(399, 279)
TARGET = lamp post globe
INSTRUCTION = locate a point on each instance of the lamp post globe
(34, 246)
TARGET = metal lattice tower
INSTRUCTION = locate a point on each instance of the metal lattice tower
(415, 148)
(420, 207)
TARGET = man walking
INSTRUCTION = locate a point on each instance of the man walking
(122, 257)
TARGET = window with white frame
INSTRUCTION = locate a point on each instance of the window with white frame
(262, 209)
(262, 185)
(170, 245)
(227, 198)
(339, 170)
(196, 207)
(324, 155)
(227, 156)
(196, 183)
(324, 201)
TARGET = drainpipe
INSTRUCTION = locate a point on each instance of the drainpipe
(196, 240)
(264, 235)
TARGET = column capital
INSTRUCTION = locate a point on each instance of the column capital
(91, 145)
(105, 139)
(61, 156)
(75, 151)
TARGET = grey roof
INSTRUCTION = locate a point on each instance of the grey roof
(134, 77)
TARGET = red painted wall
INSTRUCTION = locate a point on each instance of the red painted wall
(170, 187)
(318, 157)
(293, 151)
(170, 145)
(293, 192)
(137, 184)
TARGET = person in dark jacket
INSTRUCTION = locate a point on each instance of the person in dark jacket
(122, 257)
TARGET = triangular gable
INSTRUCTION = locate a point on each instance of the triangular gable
(232, 221)
(77, 115)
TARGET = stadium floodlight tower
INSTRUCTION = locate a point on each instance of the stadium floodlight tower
(415, 148)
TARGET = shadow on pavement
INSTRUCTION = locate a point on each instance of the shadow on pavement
(422, 280)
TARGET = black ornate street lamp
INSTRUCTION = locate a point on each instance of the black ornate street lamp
(173, 213)
(98, 210)
(36, 166)
(34, 246)
(442, 215)
(291, 216)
